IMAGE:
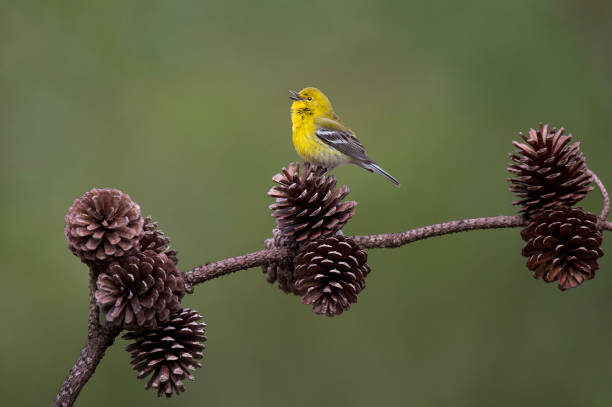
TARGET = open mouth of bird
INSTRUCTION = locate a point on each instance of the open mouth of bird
(295, 96)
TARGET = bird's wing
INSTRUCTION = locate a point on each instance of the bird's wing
(335, 134)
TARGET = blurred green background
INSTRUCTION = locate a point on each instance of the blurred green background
(184, 106)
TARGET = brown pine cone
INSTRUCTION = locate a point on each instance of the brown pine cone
(168, 352)
(307, 206)
(140, 291)
(156, 240)
(103, 224)
(563, 244)
(549, 171)
(329, 273)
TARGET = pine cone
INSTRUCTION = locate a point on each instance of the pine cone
(281, 272)
(168, 352)
(563, 244)
(549, 172)
(329, 273)
(156, 240)
(103, 224)
(307, 206)
(140, 291)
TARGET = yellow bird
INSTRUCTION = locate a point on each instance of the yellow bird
(320, 138)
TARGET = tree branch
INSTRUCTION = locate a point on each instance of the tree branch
(226, 266)
(604, 196)
(85, 365)
(454, 226)
(222, 267)
(99, 338)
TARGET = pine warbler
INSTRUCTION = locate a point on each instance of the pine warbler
(320, 138)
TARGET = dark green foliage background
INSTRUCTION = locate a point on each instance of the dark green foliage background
(184, 106)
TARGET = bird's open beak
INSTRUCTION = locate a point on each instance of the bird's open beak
(295, 96)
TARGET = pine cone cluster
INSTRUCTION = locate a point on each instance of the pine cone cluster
(138, 285)
(169, 352)
(140, 291)
(329, 269)
(103, 224)
(307, 206)
(329, 273)
(549, 171)
(563, 244)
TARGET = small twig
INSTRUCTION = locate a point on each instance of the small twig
(226, 266)
(606, 225)
(604, 195)
(402, 238)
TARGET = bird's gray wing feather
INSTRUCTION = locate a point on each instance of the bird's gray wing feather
(343, 141)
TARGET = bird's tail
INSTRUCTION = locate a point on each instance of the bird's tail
(373, 167)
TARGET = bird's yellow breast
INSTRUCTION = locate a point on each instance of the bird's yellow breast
(309, 146)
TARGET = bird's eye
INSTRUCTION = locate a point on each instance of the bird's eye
(309, 98)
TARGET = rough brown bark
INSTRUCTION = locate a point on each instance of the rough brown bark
(85, 366)
(400, 239)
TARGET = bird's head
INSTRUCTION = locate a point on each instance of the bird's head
(311, 101)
